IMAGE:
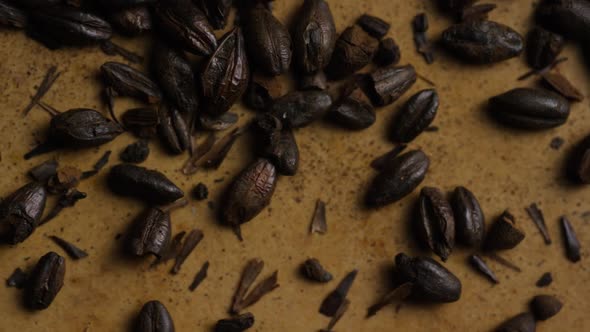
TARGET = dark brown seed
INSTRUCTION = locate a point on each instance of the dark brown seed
(537, 217)
(423, 46)
(436, 224)
(373, 25)
(431, 281)
(217, 11)
(45, 281)
(176, 78)
(58, 26)
(314, 271)
(136, 152)
(381, 162)
(318, 222)
(469, 218)
(226, 75)
(17, 279)
(566, 17)
(545, 306)
(316, 81)
(545, 280)
(524, 322)
(67, 199)
(127, 81)
(218, 123)
(480, 265)
(543, 47)
(82, 128)
(276, 143)
(476, 12)
(150, 233)
(572, 245)
(559, 83)
(352, 114)
(416, 115)
(43, 172)
(132, 21)
(504, 234)
(398, 294)
(12, 16)
(354, 49)
(301, 108)
(249, 275)
(579, 162)
(398, 179)
(237, 324)
(314, 36)
(268, 41)
(148, 185)
(154, 317)
(173, 130)
(190, 243)
(73, 251)
(528, 108)
(388, 53)
(199, 277)
(201, 192)
(50, 78)
(388, 84)
(334, 300)
(262, 91)
(20, 213)
(142, 121)
(483, 41)
(250, 192)
(186, 25)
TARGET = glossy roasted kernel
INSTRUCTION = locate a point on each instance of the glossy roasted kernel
(237, 324)
(352, 113)
(12, 16)
(374, 26)
(21, 212)
(226, 75)
(173, 130)
(150, 233)
(388, 84)
(216, 10)
(398, 179)
(314, 36)
(570, 18)
(277, 144)
(132, 21)
(545, 306)
(136, 152)
(148, 185)
(388, 53)
(301, 108)
(579, 162)
(142, 121)
(483, 41)
(128, 81)
(416, 115)
(543, 47)
(524, 322)
(469, 218)
(82, 128)
(45, 281)
(431, 281)
(250, 192)
(267, 40)
(154, 317)
(529, 108)
(504, 234)
(68, 26)
(185, 24)
(436, 223)
(354, 49)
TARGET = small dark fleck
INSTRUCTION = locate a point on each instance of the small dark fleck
(313, 270)
(537, 217)
(481, 266)
(201, 192)
(199, 277)
(545, 280)
(100, 164)
(318, 222)
(73, 251)
(557, 143)
(572, 245)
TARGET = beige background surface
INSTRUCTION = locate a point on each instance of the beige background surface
(505, 168)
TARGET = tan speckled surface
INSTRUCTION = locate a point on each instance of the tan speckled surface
(503, 167)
